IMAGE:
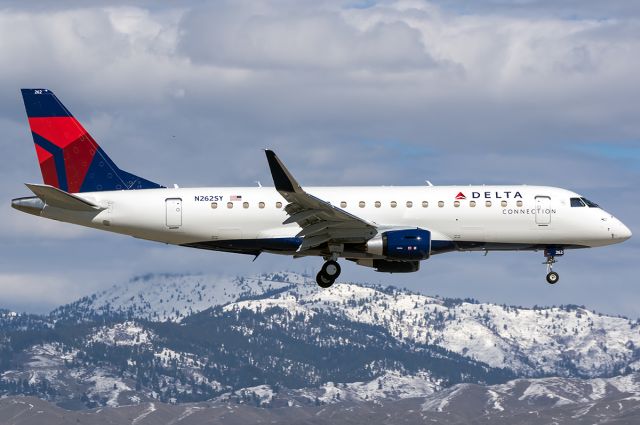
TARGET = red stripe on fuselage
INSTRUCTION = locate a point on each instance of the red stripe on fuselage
(48, 167)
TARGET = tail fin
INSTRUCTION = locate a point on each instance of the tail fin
(70, 159)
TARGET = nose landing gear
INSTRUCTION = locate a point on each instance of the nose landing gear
(550, 254)
(328, 274)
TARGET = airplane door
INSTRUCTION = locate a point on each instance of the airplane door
(543, 210)
(174, 212)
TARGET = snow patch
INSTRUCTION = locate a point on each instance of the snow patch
(126, 333)
(494, 400)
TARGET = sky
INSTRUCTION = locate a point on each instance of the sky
(535, 92)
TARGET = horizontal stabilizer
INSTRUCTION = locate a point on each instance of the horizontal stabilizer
(60, 199)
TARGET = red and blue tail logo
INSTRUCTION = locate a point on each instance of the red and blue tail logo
(70, 159)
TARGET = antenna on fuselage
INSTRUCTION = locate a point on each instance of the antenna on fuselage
(428, 183)
(258, 182)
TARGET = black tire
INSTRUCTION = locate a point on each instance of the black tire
(331, 269)
(553, 278)
(323, 280)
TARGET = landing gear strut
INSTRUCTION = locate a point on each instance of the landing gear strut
(328, 274)
(550, 254)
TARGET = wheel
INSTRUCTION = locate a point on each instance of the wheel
(553, 278)
(323, 280)
(331, 269)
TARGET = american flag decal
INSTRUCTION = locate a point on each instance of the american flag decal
(236, 197)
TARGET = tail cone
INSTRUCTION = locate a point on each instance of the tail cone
(32, 205)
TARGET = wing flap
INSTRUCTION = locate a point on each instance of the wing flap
(302, 216)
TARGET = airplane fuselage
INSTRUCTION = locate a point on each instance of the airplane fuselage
(250, 219)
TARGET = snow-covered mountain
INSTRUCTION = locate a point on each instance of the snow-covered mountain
(279, 340)
(172, 297)
(524, 401)
(567, 341)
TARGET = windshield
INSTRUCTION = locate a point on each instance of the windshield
(589, 203)
(577, 202)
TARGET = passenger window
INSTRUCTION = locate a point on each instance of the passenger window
(456, 204)
(519, 203)
(278, 204)
(214, 205)
(378, 204)
(229, 205)
(577, 202)
(343, 204)
(394, 204)
(487, 203)
(261, 205)
(425, 204)
(409, 204)
(503, 203)
(361, 204)
(472, 203)
(441, 204)
(245, 205)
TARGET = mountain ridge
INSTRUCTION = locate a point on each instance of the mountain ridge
(186, 338)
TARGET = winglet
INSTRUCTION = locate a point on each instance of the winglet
(282, 178)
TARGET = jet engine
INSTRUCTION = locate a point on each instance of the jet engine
(402, 245)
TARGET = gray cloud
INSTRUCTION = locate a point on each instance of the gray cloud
(298, 40)
(568, 9)
(395, 93)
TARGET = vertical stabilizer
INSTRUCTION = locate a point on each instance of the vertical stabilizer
(70, 159)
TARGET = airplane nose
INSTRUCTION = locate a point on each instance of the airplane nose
(619, 232)
(623, 233)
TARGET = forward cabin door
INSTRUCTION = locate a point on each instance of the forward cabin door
(543, 210)
(174, 212)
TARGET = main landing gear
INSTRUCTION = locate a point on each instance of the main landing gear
(328, 274)
(550, 254)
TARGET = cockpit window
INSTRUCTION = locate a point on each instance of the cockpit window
(577, 202)
(589, 203)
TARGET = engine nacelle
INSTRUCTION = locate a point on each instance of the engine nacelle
(402, 245)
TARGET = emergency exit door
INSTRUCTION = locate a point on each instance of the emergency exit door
(543, 210)
(174, 212)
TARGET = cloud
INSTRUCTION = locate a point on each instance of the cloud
(36, 292)
(302, 40)
(568, 9)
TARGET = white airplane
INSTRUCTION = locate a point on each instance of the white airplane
(390, 229)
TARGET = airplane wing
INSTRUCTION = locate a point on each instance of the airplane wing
(321, 222)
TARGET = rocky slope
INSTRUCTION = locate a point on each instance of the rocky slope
(544, 401)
